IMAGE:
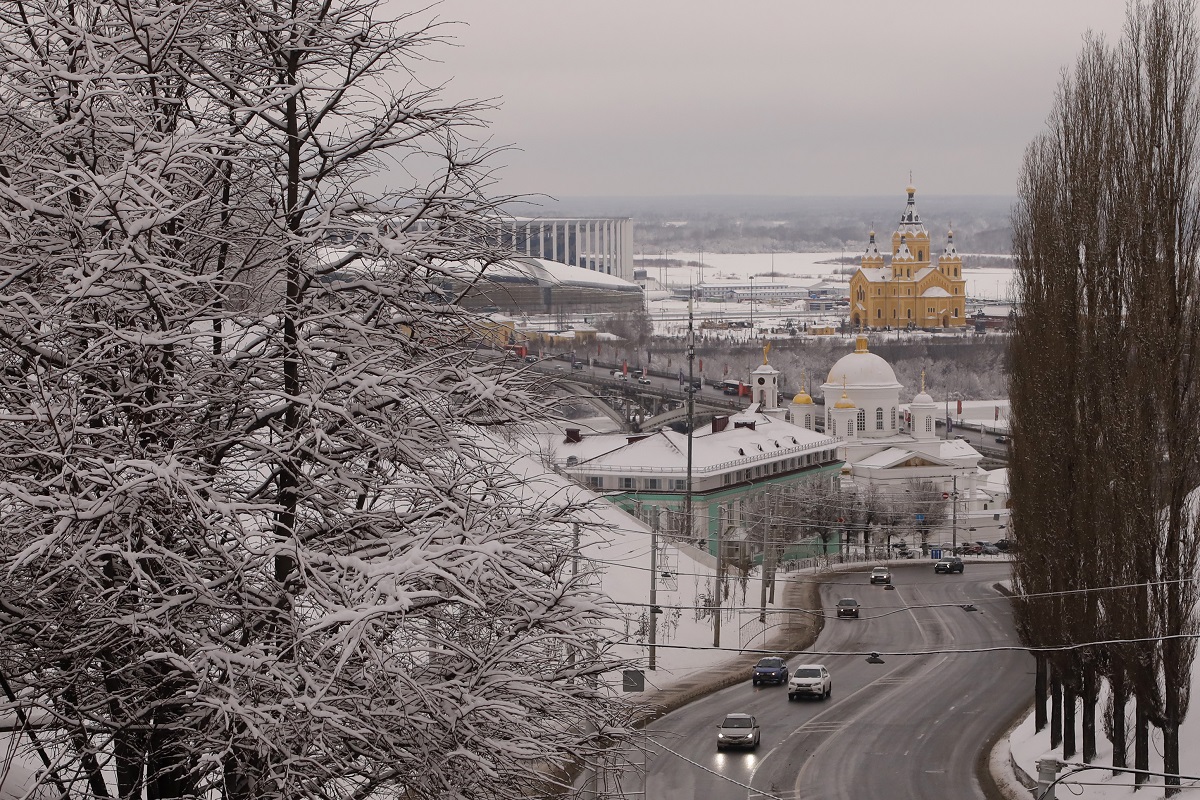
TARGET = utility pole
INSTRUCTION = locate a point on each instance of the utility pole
(653, 586)
(762, 589)
(691, 410)
(954, 516)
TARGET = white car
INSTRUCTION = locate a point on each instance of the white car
(643, 380)
(881, 575)
(810, 680)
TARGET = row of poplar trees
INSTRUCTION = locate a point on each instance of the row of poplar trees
(1105, 390)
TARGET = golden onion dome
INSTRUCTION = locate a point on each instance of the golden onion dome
(844, 402)
(802, 399)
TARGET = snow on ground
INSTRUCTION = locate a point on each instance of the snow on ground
(1027, 748)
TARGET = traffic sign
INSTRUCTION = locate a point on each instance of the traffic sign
(945, 495)
(920, 517)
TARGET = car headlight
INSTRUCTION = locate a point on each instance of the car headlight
(720, 736)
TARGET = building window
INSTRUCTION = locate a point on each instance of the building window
(920, 254)
(627, 483)
(652, 483)
(727, 479)
(910, 313)
(833, 427)
(893, 418)
(879, 313)
(954, 312)
(680, 484)
(879, 419)
(862, 419)
(928, 424)
(595, 482)
(808, 421)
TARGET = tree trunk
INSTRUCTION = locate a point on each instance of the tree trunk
(1039, 695)
(1171, 758)
(1141, 742)
(1056, 709)
(1120, 697)
(1068, 725)
(1089, 713)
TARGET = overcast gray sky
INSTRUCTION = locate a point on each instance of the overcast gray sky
(776, 97)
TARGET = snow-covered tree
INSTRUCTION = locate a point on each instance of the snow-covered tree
(257, 541)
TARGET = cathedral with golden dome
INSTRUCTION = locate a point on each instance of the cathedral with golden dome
(913, 291)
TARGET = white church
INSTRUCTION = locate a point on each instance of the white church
(864, 415)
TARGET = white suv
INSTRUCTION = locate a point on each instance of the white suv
(810, 680)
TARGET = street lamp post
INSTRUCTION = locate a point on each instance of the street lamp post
(751, 306)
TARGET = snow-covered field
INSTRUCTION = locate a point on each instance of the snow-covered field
(985, 283)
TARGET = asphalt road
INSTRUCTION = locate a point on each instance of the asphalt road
(913, 726)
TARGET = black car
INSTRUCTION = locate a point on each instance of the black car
(847, 607)
(1006, 545)
(948, 565)
(576, 365)
(771, 669)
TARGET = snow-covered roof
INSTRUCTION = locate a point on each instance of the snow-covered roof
(665, 451)
(910, 218)
(935, 291)
(860, 370)
(950, 251)
(541, 271)
(892, 456)
(876, 274)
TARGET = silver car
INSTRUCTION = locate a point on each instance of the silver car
(738, 730)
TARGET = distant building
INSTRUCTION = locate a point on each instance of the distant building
(912, 292)
(882, 452)
(537, 286)
(736, 460)
(597, 244)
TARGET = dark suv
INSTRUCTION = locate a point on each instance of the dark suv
(771, 669)
(948, 565)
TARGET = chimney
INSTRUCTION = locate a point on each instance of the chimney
(720, 423)
(573, 436)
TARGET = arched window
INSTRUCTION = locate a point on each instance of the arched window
(920, 254)
(879, 419)
(910, 313)
(862, 419)
(893, 418)
(879, 313)
(928, 424)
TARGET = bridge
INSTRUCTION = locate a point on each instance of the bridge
(641, 407)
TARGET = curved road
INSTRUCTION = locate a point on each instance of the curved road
(913, 726)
